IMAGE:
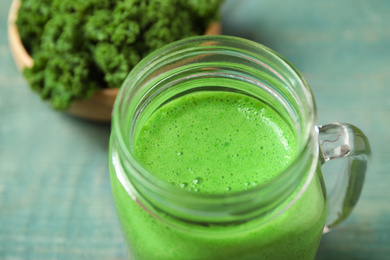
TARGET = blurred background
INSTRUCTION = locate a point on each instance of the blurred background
(55, 198)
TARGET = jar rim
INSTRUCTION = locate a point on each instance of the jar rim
(151, 181)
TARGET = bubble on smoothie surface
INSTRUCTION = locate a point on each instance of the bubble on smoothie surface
(226, 141)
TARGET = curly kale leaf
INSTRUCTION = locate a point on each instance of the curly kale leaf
(62, 69)
(114, 63)
(54, 77)
(205, 9)
(81, 46)
(62, 33)
(32, 17)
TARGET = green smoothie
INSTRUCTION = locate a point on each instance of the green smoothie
(216, 142)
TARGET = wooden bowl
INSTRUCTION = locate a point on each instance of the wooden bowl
(99, 106)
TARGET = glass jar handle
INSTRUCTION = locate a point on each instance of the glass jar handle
(350, 145)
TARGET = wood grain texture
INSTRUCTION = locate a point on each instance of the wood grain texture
(55, 200)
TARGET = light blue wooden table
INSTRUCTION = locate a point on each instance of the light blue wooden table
(55, 198)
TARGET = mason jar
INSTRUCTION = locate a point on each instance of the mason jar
(283, 218)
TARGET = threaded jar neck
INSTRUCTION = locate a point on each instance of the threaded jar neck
(239, 66)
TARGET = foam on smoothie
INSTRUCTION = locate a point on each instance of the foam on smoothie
(215, 142)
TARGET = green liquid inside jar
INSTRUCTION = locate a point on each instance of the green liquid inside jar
(216, 142)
